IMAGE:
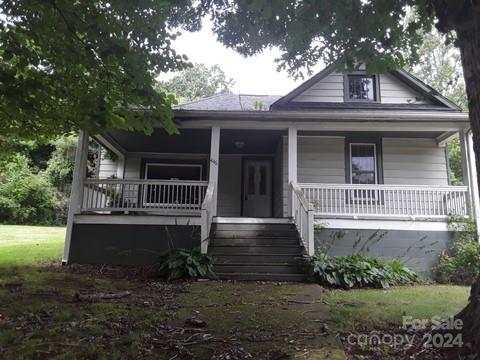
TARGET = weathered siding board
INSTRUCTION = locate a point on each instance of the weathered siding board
(328, 89)
(229, 185)
(331, 89)
(393, 91)
(132, 167)
(108, 168)
(320, 160)
(414, 162)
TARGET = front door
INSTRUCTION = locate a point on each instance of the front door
(257, 192)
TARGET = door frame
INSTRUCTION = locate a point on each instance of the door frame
(268, 158)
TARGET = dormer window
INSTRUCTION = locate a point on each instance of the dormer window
(360, 87)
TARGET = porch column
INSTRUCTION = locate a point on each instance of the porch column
(473, 185)
(466, 167)
(292, 162)
(76, 191)
(214, 160)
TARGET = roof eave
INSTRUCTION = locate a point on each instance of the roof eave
(377, 115)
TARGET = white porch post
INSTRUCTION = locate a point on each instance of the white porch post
(473, 184)
(209, 206)
(292, 162)
(466, 168)
(214, 161)
(76, 191)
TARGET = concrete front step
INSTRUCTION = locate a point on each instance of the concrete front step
(293, 250)
(259, 277)
(255, 258)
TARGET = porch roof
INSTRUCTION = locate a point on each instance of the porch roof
(262, 103)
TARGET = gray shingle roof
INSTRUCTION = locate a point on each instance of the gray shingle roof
(231, 102)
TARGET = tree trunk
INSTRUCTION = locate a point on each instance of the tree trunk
(468, 32)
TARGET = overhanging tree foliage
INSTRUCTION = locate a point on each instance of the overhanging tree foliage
(440, 66)
(198, 81)
(67, 65)
(378, 33)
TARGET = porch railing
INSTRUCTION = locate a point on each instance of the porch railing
(303, 217)
(143, 195)
(395, 201)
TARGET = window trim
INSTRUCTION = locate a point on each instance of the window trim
(375, 157)
(147, 164)
(346, 86)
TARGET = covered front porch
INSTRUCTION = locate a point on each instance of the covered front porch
(300, 175)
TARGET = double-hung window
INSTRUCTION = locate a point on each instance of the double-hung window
(363, 171)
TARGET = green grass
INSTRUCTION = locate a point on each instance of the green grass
(355, 310)
(27, 245)
(40, 315)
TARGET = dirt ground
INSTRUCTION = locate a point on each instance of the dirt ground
(81, 312)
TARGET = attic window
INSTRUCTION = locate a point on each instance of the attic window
(361, 87)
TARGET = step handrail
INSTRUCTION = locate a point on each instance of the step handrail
(302, 215)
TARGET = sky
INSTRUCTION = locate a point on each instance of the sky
(255, 75)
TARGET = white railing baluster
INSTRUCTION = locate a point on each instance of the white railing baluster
(396, 201)
(144, 195)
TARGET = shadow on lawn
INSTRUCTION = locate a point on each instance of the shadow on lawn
(92, 312)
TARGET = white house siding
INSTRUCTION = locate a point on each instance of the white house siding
(107, 168)
(414, 162)
(331, 89)
(229, 185)
(393, 91)
(320, 160)
(132, 166)
(328, 89)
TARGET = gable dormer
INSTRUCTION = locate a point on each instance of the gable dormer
(358, 89)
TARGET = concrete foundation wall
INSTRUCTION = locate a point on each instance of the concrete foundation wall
(127, 244)
(419, 250)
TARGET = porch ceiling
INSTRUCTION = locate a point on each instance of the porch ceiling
(190, 141)
(197, 141)
(249, 141)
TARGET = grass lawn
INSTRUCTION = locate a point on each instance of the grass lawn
(358, 310)
(86, 312)
(22, 245)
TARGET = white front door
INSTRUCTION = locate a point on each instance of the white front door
(257, 191)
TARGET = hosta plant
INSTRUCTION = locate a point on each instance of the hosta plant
(356, 271)
(183, 263)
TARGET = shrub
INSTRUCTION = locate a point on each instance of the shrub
(25, 198)
(460, 264)
(358, 270)
(179, 263)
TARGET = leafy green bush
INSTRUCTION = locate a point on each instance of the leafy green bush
(62, 160)
(25, 197)
(179, 263)
(460, 264)
(358, 270)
